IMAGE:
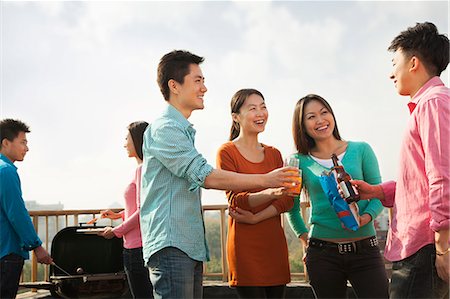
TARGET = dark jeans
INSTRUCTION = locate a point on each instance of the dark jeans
(261, 292)
(10, 269)
(416, 276)
(329, 271)
(137, 274)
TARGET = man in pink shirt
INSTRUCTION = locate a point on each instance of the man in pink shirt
(418, 238)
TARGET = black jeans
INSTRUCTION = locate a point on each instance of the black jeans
(329, 271)
(261, 292)
(137, 274)
(416, 276)
(10, 267)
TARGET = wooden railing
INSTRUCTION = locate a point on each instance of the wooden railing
(64, 218)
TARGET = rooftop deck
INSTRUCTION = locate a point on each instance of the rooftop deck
(48, 223)
(212, 290)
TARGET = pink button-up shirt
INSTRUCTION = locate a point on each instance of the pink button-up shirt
(130, 228)
(421, 197)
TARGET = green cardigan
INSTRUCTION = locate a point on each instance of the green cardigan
(360, 162)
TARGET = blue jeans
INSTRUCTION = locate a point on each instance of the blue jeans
(175, 275)
(10, 268)
(416, 276)
(137, 274)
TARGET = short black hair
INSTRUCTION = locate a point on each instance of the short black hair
(10, 129)
(425, 42)
(175, 65)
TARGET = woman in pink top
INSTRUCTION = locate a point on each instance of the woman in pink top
(129, 230)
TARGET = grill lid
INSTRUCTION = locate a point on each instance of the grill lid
(72, 248)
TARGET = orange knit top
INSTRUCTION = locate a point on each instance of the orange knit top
(257, 253)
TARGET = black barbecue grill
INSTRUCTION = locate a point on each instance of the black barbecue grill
(86, 265)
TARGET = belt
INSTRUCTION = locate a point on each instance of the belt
(345, 247)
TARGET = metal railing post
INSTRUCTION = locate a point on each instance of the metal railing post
(34, 267)
(223, 245)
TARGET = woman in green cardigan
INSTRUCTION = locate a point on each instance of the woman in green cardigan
(334, 254)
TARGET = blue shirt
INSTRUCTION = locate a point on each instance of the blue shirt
(172, 173)
(17, 234)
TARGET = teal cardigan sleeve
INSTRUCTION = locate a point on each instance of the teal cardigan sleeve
(371, 173)
(295, 219)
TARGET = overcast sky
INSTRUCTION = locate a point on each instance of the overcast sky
(79, 72)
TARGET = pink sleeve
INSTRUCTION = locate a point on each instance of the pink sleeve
(133, 220)
(434, 131)
(127, 225)
(389, 193)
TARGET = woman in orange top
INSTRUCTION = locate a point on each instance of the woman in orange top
(257, 253)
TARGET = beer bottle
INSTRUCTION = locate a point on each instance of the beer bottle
(343, 179)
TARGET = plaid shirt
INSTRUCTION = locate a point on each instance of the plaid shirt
(173, 172)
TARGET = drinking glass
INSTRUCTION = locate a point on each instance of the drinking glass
(295, 188)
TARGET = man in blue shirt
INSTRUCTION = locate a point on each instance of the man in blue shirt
(173, 173)
(17, 234)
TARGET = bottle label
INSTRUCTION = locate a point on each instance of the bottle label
(355, 190)
(344, 189)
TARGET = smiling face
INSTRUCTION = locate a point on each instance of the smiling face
(401, 72)
(253, 115)
(189, 95)
(318, 121)
(17, 149)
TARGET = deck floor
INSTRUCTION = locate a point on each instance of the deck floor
(214, 290)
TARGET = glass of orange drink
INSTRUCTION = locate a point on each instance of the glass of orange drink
(295, 188)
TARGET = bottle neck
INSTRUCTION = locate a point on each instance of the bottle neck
(334, 158)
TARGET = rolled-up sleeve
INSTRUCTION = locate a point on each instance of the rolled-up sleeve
(197, 172)
(174, 148)
(435, 133)
(389, 193)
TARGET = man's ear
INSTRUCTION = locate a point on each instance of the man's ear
(4, 143)
(173, 86)
(414, 63)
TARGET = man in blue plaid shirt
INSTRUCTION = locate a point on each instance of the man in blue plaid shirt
(173, 173)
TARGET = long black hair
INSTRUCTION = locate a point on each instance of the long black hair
(303, 142)
(237, 101)
(137, 130)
